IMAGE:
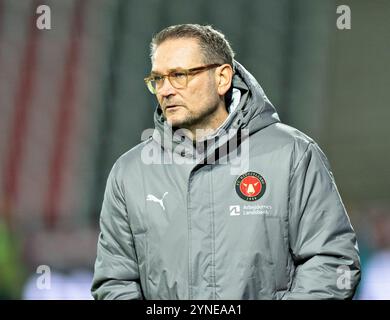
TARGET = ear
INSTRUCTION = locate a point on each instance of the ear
(224, 76)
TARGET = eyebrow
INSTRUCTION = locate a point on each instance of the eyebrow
(169, 70)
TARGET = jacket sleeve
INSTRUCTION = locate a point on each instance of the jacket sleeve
(116, 273)
(322, 241)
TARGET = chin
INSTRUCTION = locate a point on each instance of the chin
(174, 122)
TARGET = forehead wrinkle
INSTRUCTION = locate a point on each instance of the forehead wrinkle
(176, 54)
(161, 72)
(155, 72)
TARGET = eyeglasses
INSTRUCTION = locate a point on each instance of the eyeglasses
(178, 78)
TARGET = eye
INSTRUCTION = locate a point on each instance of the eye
(157, 78)
(178, 75)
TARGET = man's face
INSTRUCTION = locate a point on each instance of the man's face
(196, 105)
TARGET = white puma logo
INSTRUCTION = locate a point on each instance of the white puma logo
(151, 197)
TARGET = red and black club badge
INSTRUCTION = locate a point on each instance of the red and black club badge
(250, 186)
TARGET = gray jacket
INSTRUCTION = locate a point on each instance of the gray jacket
(198, 230)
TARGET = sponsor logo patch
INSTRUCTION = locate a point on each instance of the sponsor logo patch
(235, 210)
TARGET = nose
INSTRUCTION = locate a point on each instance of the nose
(166, 88)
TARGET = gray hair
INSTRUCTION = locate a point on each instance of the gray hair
(213, 44)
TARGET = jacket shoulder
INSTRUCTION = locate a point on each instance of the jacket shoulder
(131, 158)
(290, 133)
(283, 138)
(281, 135)
(301, 144)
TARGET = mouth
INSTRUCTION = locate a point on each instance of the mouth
(172, 107)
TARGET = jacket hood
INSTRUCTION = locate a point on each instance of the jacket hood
(254, 112)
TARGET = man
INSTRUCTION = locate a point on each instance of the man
(192, 226)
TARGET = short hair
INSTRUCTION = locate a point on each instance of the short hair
(213, 44)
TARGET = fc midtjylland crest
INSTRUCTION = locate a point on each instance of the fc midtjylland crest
(250, 186)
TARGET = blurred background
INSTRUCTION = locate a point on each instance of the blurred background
(72, 100)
